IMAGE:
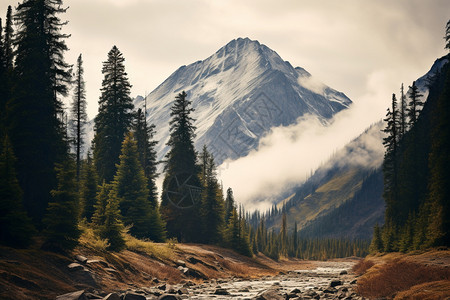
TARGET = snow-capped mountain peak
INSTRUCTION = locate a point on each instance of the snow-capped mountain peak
(239, 93)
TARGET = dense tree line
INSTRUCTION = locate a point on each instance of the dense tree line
(415, 168)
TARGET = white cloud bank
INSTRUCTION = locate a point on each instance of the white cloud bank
(286, 156)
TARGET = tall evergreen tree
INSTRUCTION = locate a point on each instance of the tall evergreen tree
(88, 188)
(143, 134)
(61, 221)
(229, 205)
(114, 115)
(79, 115)
(130, 187)
(415, 103)
(35, 110)
(3, 85)
(15, 226)
(402, 114)
(8, 47)
(390, 169)
(180, 196)
(212, 206)
(447, 36)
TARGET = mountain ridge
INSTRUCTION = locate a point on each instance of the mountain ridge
(239, 93)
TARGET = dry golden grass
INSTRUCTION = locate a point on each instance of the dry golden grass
(154, 250)
(362, 266)
(386, 280)
(437, 290)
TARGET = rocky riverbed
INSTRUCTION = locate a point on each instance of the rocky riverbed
(329, 280)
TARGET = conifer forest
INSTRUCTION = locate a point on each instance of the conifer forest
(51, 192)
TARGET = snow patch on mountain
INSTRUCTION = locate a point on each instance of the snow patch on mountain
(239, 93)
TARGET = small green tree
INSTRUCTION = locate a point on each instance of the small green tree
(107, 218)
(376, 245)
(88, 188)
(15, 226)
(130, 186)
(61, 221)
(98, 218)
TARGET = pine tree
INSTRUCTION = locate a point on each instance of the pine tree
(376, 246)
(114, 115)
(3, 85)
(283, 234)
(212, 206)
(147, 153)
(390, 167)
(402, 114)
(15, 226)
(9, 32)
(415, 104)
(447, 36)
(181, 187)
(130, 187)
(107, 219)
(102, 197)
(61, 221)
(79, 115)
(35, 110)
(88, 188)
(229, 205)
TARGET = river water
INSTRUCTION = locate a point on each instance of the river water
(309, 282)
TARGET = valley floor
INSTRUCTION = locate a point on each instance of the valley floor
(189, 270)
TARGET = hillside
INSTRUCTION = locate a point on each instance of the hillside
(36, 274)
(336, 190)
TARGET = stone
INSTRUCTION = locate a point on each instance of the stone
(291, 296)
(98, 262)
(182, 269)
(78, 295)
(296, 291)
(181, 263)
(270, 295)
(162, 287)
(112, 296)
(222, 292)
(244, 290)
(111, 270)
(75, 267)
(189, 283)
(81, 259)
(155, 280)
(93, 296)
(193, 260)
(330, 290)
(133, 296)
(182, 291)
(168, 297)
(334, 283)
(354, 281)
(84, 276)
(195, 274)
(344, 272)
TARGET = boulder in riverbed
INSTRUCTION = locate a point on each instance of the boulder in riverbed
(78, 295)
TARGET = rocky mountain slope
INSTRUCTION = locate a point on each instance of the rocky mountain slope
(238, 94)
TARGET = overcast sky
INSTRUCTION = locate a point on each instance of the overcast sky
(347, 44)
